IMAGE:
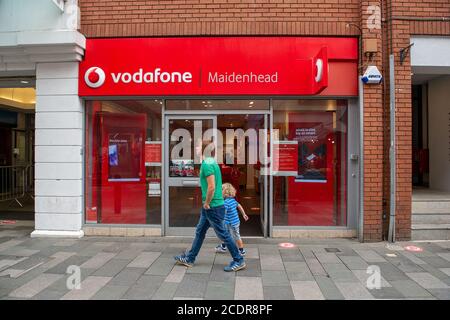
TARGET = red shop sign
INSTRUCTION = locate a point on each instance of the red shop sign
(217, 66)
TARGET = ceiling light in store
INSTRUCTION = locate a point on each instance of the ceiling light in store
(24, 98)
(24, 81)
(251, 102)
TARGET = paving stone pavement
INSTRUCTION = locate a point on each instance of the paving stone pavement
(114, 268)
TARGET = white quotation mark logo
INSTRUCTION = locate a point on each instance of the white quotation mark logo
(94, 77)
(74, 280)
(374, 280)
(319, 70)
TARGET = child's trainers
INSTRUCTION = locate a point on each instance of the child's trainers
(221, 249)
(242, 251)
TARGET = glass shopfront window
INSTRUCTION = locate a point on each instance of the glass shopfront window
(123, 162)
(312, 192)
(125, 180)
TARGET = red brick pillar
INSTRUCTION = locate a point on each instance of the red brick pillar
(401, 39)
(373, 131)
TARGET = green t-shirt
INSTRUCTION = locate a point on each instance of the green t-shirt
(210, 167)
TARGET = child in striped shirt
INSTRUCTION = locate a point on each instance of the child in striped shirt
(232, 217)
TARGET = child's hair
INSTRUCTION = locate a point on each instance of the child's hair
(228, 190)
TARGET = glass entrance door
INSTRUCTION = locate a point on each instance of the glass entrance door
(183, 193)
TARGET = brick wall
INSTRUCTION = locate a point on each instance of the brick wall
(373, 135)
(105, 18)
(403, 26)
(115, 18)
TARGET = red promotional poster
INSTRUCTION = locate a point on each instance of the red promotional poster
(285, 158)
(123, 184)
(152, 153)
(310, 192)
(312, 157)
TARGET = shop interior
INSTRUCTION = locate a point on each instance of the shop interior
(120, 195)
(17, 114)
(127, 177)
(184, 203)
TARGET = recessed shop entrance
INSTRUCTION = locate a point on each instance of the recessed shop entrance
(239, 141)
(17, 116)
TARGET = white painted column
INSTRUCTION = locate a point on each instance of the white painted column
(58, 151)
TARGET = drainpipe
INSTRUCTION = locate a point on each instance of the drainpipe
(392, 151)
(361, 160)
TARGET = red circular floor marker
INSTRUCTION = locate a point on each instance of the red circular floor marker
(286, 245)
(413, 248)
(7, 221)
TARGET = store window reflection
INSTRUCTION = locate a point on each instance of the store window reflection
(311, 189)
(123, 162)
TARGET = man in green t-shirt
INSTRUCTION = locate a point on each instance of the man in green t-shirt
(212, 215)
(208, 168)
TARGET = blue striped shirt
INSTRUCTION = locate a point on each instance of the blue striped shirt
(231, 212)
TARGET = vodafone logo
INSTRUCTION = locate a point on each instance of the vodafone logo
(319, 70)
(94, 77)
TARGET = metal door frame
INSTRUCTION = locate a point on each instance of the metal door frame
(178, 182)
(176, 114)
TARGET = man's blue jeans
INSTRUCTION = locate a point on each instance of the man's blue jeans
(213, 217)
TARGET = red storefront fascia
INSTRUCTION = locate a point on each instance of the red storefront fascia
(261, 66)
(210, 66)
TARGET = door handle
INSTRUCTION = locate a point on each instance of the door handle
(190, 183)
